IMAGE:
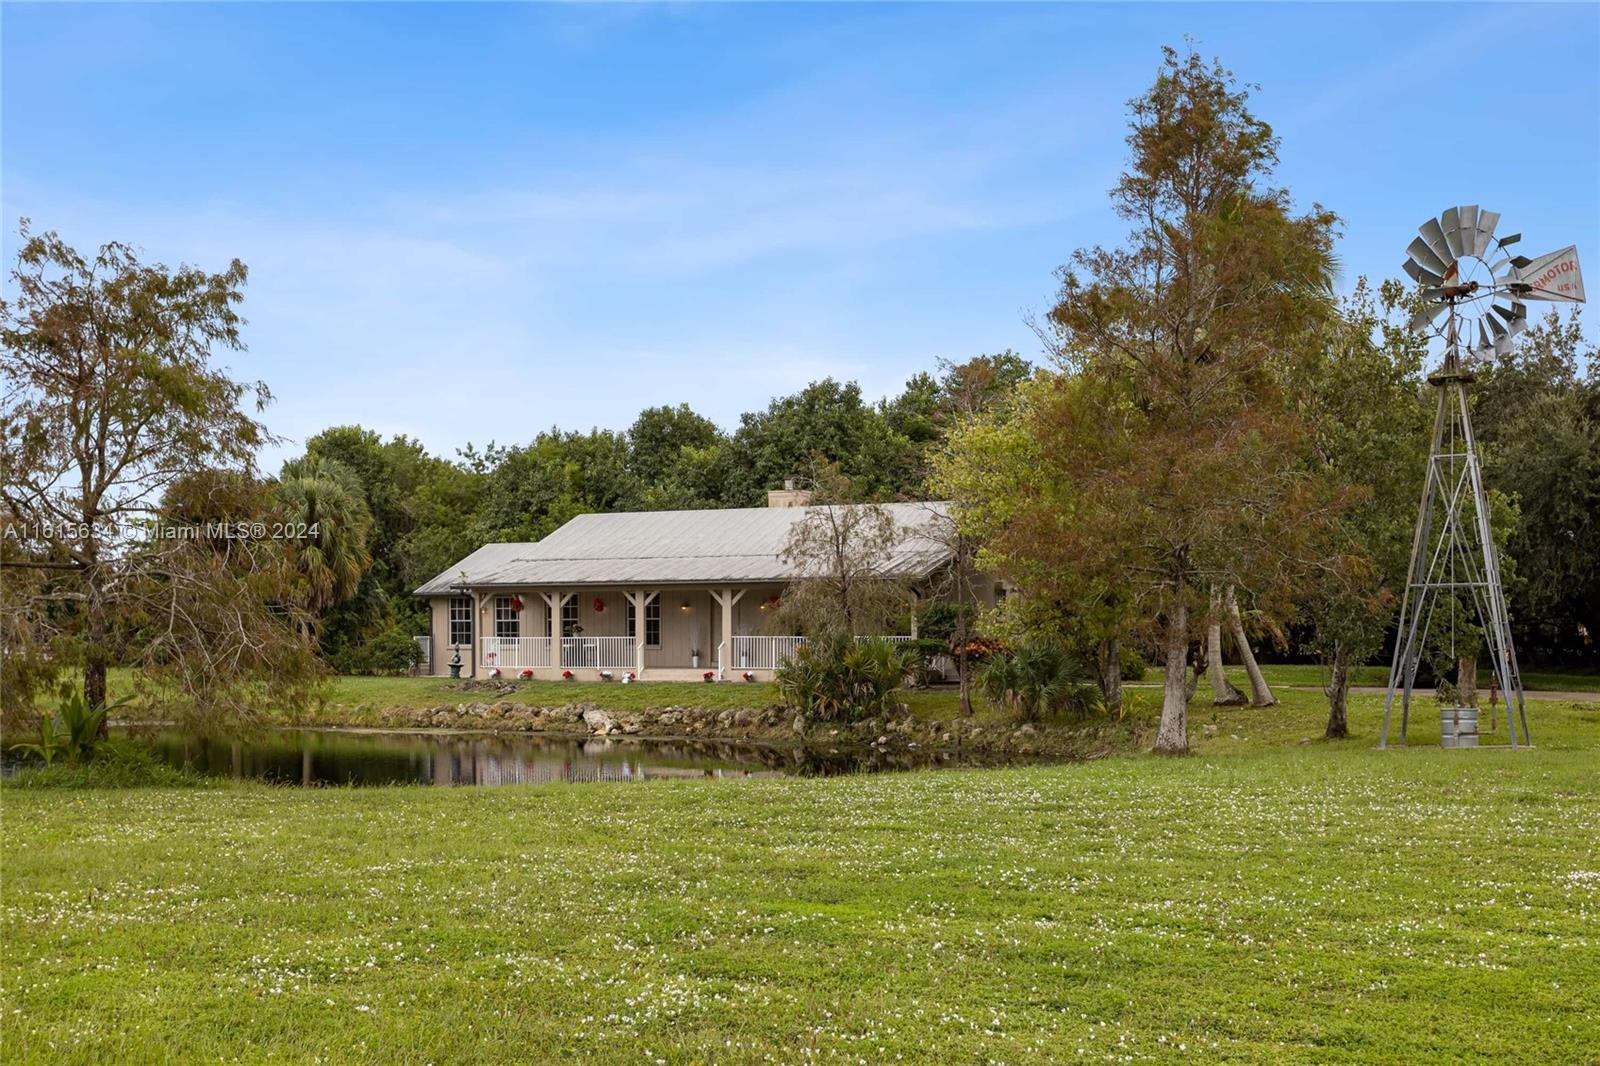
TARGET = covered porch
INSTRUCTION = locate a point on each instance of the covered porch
(611, 633)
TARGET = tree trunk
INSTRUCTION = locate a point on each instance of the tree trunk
(963, 668)
(1108, 659)
(1467, 679)
(95, 638)
(1173, 736)
(1260, 694)
(1338, 691)
(1223, 690)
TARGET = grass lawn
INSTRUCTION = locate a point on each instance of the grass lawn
(1262, 901)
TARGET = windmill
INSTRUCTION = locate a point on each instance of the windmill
(1471, 277)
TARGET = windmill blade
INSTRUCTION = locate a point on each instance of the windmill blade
(1425, 256)
(1511, 239)
(1424, 318)
(1556, 277)
(1450, 222)
(1507, 314)
(1484, 345)
(1487, 221)
(1420, 274)
(1455, 224)
(1433, 236)
(1469, 230)
(1500, 332)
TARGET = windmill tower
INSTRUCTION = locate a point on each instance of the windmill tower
(1468, 275)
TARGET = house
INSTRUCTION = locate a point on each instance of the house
(663, 595)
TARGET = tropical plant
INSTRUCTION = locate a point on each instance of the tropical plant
(1038, 679)
(72, 733)
(834, 677)
(324, 497)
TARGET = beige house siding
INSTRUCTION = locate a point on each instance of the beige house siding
(691, 619)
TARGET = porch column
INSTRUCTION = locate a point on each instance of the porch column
(639, 600)
(726, 599)
(552, 604)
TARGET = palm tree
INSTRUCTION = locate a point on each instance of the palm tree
(326, 498)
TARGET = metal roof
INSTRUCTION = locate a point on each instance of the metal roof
(737, 545)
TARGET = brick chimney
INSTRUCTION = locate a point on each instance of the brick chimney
(788, 496)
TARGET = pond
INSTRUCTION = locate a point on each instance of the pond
(370, 757)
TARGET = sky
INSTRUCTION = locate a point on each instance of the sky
(473, 222)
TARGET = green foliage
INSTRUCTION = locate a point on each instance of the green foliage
(118, 763)
(73, 734)
(1132, 663)
(1039, 679)
(836, 678)
(391, 651)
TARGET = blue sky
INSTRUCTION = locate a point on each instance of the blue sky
(466, 222)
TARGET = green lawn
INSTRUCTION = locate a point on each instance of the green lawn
(1262, 901)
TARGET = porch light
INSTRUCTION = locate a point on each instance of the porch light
(684, 607)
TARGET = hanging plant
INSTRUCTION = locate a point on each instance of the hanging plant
(516, 603)
(599, 605)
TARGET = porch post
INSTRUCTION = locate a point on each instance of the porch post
(552, 605)
(640, 600)
(726, 598)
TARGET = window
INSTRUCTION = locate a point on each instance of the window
(507, 623)
(569, 616)
(652, 623)
(460, 620)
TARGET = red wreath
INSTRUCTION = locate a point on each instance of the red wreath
(516, 603)
(599, 605)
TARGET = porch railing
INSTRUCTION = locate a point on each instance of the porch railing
(769, 653)
(515, 653)
(598, 653)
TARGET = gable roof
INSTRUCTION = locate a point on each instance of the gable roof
(736, 545)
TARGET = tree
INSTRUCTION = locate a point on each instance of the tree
(323, 499)
(111, 396)
(956, 584)
(1016, 504)
(842, 554)
(1537, 417)
(1370, 432)
(828, 422)
(1182, 451)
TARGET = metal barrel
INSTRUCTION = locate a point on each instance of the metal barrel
(1467, 721)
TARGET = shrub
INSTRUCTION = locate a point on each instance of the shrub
(392, 651)
(117, 763)
(1038, 679)
(1132, 663)
(72, 734)
(834, 677)
(921, 654)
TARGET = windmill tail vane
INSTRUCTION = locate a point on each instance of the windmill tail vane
(1465, 272)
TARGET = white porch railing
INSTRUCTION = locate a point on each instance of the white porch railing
(598, 653)
(763, 653)
(769, 653)
(515, 653)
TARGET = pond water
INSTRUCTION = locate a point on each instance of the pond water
(368, 757)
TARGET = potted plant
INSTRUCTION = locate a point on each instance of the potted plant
(748, 676)
(605, 675)
(526, 675)
(709, 675)
(495, 673)
(566, 675)
(694, 658)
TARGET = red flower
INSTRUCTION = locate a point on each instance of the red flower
(566, 675)
(709, 675)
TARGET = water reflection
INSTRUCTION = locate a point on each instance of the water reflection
(345, 757)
